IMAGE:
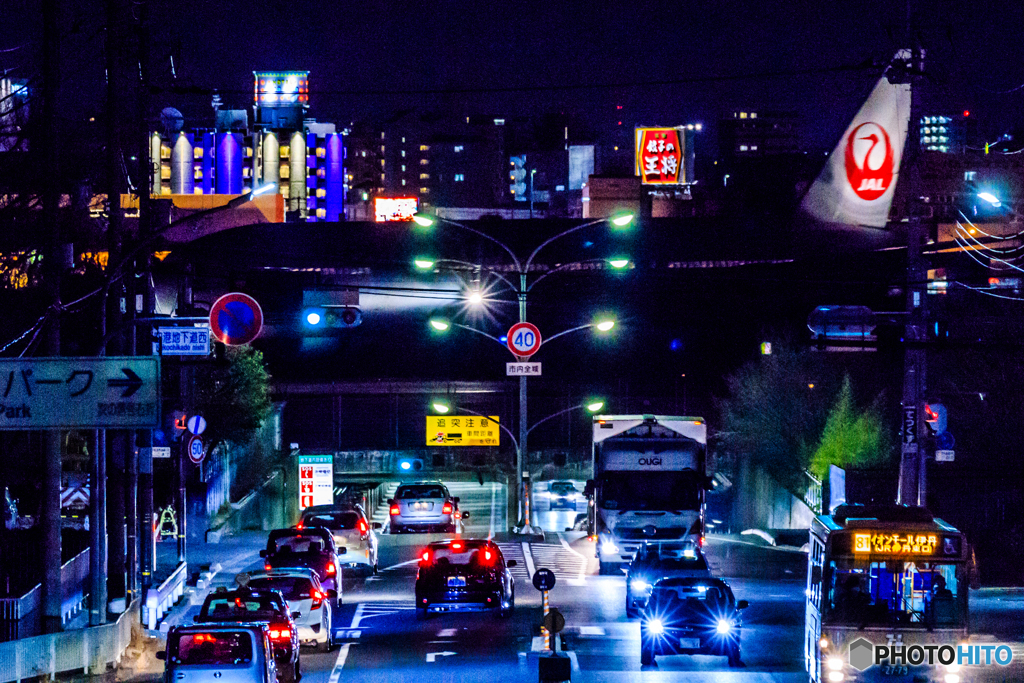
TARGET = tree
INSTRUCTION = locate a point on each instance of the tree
(851, 438)
(235, 399)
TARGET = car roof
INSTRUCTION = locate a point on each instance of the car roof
(425, 482)
(334, 507)
(222, 626)
(304, 572)
(674, 581)
(317, 531)
(242, 592)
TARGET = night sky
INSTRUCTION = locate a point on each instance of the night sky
(663, 62)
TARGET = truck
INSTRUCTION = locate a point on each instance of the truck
(648, 486)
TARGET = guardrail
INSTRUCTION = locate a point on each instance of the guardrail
(19, 617)
(88, 650)
(160, 600)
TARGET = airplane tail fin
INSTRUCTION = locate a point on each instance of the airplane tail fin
(855, 188)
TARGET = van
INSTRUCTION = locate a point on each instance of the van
(219, 653)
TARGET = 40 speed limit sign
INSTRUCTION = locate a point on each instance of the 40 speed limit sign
(523, 339)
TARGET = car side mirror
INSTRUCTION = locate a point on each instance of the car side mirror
(511, 563)
(456, 499)
(296, 615)
(815, 575)
(568, 528)
(377, 526)
(263, 553)
(161, 654)
(342, 550)
(331, 593)
(465, 515)
(742, 604)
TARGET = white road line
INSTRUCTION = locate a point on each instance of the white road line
(357, 617)
(339, 663)
(447, 633)
(591, 631)
(494, 490)
(583, 559)
(528, 557)
(400, 564)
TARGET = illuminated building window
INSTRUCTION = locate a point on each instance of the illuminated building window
(460, 177)
(458, 148)
(403, 181)
(743, 114)
(424, 148)
(743, 148)
(403, 152)
(403, 167)
(424, 176)
(382, 163)
(424, 162)
(970, 175)
(753, 114)
(424, 190)
(364, 152)
(499, 122)
(382, 135)
(753, 148)
(403, 139)
(366, 196)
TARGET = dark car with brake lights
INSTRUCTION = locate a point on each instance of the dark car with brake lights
(254, 605)
(691, 616)
(464, 575)
(312, 547)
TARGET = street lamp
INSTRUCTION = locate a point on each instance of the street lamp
(990, 198)
(618, 220)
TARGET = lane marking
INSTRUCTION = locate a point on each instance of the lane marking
(584, 561)
(528, 557)
(357, 617)
(591, 631)
(447, 633)
(432, 656)
(400, 564)
(339, 663)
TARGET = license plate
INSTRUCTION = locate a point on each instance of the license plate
(456, 581)
(689, 643)
(423, 506)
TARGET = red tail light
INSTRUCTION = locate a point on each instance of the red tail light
(456, 545)
(284, 633)
(362, 527)
(267, 567)
(330, 569)
(425, 557)
(395, 510)
(317, 596)
(446, 509)
(488, 556)
(299, 525)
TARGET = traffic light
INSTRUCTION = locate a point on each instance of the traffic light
(935, 417)
(410, 465)
(180, 424)
(328, 319)
(518, 177)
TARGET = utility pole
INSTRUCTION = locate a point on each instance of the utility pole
(913, 457)
(54, 262)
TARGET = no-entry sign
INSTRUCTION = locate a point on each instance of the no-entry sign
(524, 339)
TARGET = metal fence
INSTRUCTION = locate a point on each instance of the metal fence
(20, 617)
(86, 650)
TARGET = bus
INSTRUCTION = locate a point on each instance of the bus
(648, 486)
(892, 575)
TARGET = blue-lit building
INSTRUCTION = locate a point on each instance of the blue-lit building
(302, 157)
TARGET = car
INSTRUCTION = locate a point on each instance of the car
(249, 605)
(464, 575)
(656, 561)
(312, 547)
(308, 602)
(351, 530)
(562, 494)
(425, 506)
(219, 653)
(691, 615)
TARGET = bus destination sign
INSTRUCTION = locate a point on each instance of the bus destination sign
(885, 543)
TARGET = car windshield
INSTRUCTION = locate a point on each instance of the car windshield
(224, 647)
(235, 608)
(298, 544)
(694, 596)
(563, 488)
(425, 491)
(650, 490)
(916, 593)
(675, 564)
(292, 587)
(332, 520)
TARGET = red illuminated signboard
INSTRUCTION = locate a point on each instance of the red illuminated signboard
(659, 156)
(394, 208)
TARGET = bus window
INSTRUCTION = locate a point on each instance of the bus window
(895, 592)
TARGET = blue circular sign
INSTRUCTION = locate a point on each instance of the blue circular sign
(236, 319)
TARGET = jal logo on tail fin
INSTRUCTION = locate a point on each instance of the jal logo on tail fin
(869, 160)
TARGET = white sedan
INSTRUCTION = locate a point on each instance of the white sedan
(308, 601)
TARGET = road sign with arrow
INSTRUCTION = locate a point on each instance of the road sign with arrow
(80, 392)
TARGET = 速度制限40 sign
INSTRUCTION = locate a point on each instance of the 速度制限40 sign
(659, 156)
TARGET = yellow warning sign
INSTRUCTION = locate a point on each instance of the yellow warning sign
(462, 430)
